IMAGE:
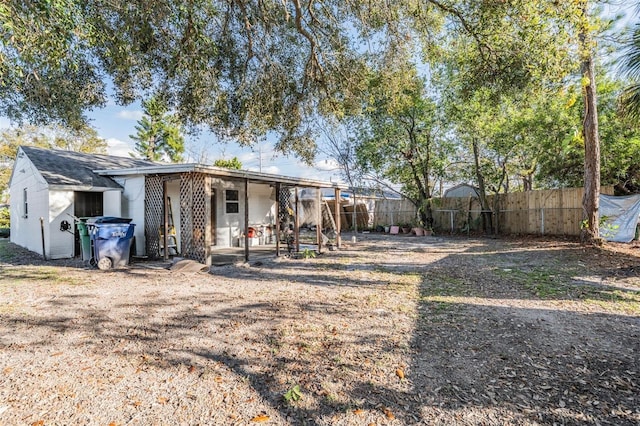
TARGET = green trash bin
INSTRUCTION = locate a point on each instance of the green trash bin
(85, 239)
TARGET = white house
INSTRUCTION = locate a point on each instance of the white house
(192, 209)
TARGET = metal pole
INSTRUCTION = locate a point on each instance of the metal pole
(451, 216)
(44, 254)
(541, 221)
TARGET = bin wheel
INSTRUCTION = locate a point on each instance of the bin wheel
(105, 264)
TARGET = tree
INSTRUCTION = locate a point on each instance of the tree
(401, 137)
(84, 139)
(242, 68)
(233, 163)
(158, 133)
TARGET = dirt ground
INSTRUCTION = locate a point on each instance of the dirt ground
(391, 330)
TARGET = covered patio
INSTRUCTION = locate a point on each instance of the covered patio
(226, 214)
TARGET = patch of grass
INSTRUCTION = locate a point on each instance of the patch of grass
(5, 253)
(34, 274)
(542, 282)
(436, 284)
(556, 283)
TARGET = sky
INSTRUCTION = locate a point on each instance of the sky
(116, 123)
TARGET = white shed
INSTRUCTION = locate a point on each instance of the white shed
(49, 188)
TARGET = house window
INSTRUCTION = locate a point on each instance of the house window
(25, 203)
(231, 201)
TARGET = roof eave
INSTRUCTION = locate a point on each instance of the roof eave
(221, 172)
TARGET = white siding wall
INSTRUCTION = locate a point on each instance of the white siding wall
(231, 225)
(25, 231)
(261, 205)
(60, 243)
(132, 206)
(112, 203)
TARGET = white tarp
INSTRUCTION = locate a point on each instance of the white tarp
(619, 217)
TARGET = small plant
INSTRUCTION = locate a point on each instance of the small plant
(308, 253)
(292, 395)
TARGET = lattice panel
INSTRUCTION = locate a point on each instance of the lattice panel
(286, 212)
(194, 215)
(153, 214)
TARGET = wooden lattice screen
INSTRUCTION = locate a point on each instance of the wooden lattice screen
(287, 208)
(153, 214)
(194, 215)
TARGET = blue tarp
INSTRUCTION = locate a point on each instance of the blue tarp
(619, 217)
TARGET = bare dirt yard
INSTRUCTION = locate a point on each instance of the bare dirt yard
(391, 330)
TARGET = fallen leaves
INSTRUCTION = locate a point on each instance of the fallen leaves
(388, 413)
(358, 412)
(400, 373)
(260, 418)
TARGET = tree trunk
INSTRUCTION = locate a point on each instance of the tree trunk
(591, 198)
(487, 225)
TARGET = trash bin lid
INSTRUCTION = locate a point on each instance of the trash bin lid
(108, 219)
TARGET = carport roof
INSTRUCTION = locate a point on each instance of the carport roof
(220, 172)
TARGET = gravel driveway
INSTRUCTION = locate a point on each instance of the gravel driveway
(391, 330)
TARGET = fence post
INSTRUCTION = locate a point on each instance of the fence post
(542, 221)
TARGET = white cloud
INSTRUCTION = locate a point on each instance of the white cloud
(118, 148)
(133, 115)
(327, 165)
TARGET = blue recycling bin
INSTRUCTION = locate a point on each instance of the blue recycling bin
(111, 243)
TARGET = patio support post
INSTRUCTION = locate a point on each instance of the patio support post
(277, 231)
(319, 219)
(338, 217)
(246, 220)
(165, 226)
(296, 222)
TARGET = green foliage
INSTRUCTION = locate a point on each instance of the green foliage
(5, 218)
(159, 134)
(308, 253)
(243, 69)
(402, 137)
(292, 395)
(233, 163)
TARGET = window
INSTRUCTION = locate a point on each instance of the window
(231, 198)
(25, 203)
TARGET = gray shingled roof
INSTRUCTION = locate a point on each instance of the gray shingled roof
(69, 168)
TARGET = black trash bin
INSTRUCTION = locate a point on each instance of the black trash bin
(111, 242)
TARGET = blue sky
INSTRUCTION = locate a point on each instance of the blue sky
(116, 123)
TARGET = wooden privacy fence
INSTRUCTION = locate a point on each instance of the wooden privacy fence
(548, 212)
